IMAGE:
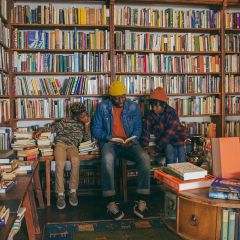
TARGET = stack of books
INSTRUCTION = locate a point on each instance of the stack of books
(4, 215)
(44, 144)
(88, 147)
(25, 145)
(183, 176)
(225, 188)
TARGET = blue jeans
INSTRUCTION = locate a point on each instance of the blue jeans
(109, 153)
(174, 153)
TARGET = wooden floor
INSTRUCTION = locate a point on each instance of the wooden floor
(91, 208)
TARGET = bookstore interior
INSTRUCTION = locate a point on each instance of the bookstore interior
(55, 53)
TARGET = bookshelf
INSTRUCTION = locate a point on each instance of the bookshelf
(183, 46)
(232, 74)
(4, 65)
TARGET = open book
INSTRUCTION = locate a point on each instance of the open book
(121, 141)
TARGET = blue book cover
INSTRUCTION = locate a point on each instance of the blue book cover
(232, 185)
(32, 40)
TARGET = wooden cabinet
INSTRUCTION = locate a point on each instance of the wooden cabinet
(198, 217)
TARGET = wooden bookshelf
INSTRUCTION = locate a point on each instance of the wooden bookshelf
(218, 5)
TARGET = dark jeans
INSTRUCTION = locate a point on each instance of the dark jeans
(110, 152)
(175, 154)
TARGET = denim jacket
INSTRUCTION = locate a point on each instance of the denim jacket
(102, 121)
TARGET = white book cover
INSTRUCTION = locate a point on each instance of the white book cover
(188, 170)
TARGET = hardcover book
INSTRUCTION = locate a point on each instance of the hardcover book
(187, 171)
(227, 184)
(181, 185)
(122, 141)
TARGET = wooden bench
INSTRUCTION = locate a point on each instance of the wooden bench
(123, 176)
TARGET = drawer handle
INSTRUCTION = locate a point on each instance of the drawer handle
(194, 221)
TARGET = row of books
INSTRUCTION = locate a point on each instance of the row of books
(50, 108)
(232, 105)
(195, 106)
(60, 39)
(232, 20)
(232, 128)
(160, 63)
(232, 42)
(51, 14)
(68, 86)
(4, 79)
(166, 17)
(4, 110)
(5, 34)
(4, 59)
(232, 83)
(77, 62)
(206, 129)
(232, 63)
(172, 84)
(128, 40)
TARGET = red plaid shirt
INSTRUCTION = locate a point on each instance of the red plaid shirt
(166, 127)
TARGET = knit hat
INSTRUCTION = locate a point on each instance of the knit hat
(77, 108)
(117, 88)
(159, 94)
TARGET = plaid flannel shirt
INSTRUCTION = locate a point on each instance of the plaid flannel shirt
(166, 127)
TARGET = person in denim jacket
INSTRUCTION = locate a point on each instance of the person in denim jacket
(118, 117)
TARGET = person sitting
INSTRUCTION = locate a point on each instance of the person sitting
(119, 117)
(69, 134)
(163, 122)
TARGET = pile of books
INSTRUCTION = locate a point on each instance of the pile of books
(88, 147)
(225, 188)
(44, 144)
(25, 145)
(4, 215)
(183, 176)
(6, 156)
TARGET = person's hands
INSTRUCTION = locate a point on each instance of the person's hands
(37, 134)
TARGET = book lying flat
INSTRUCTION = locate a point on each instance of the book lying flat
(187, 171)
(226, 184)
(181, 185)
(224, 195)
(122, 141)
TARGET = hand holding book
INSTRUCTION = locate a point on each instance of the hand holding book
(126, 143)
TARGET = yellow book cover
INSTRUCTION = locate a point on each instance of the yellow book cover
(83, 16)
(79, 15)
(104, 15)
(35, 86)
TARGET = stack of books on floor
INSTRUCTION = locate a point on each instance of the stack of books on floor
(225, 188)
(18, 222)
(4, 215)
(44, 144)
(183, 176)
(88, 147)
(25, 145)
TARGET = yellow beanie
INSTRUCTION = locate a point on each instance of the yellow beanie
(117, 88)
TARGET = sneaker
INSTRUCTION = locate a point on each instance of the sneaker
(73, 200)
(140, 209)
(114, 211)
(61, 204)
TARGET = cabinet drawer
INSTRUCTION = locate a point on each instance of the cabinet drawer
(196, 220)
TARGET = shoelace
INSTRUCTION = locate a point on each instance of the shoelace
(142, 206)
(113, 207)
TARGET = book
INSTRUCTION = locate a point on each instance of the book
(187, 171)
(170, 205)
(122, 141)
(225, 152)
(226, 185)
(181, 185)
(6, 153)
(224, 228)
(223, 195)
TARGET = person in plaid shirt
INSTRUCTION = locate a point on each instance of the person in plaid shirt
(163, 122)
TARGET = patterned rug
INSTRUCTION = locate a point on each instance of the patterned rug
(151, 228)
